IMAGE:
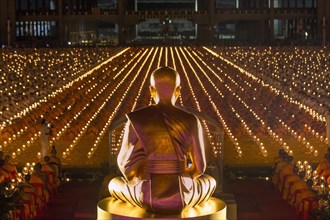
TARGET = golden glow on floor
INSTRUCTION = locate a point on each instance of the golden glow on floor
(109, 208)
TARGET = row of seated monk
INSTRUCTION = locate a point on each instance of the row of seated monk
(25, 95)
(296, 182)
(276, 73)
(20, 90)
(36, 184)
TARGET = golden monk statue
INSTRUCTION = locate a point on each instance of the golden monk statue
(159, 141)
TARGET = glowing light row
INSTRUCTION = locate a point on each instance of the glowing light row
(245, 126)
(312, 112)
(307, 74)
(300, 138)
(104, 129)
(193, 94)
(36, 135)
(215, 108)
(115, 143)
(64, 128)
(263, 151)
(294, 134)
(285, 146)
(311, 149)
(269, 130)
(166, 55)
(159, 58)
(95, 97)
(175, 67)
(94, 148)
(72, 72)
(83, 130)
(29, 143)
(24, 146)
(317, 134)
(56, 92)
(216, 149)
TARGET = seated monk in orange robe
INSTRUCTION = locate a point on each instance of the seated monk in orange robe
(50, 170)
(56, 162)
(285, 172)
(289, 181)
(10, 168)
(306, 201)
(158, 141)
(297, 187)
(39, 180)
(324, 164)
(326, 173)
(280, 157)
(4, 173)
(279, 166)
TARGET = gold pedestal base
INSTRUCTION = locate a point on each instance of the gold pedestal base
(111, 209)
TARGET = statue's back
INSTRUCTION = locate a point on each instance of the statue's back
(164, 134)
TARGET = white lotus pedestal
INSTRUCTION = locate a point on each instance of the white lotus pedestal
(111, 209)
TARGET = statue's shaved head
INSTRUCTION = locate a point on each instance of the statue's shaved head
(165, 80)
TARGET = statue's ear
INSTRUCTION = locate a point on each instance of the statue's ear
(177, 91)
(152, 91)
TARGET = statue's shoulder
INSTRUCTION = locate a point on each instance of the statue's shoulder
(186, 112)
(141, 112)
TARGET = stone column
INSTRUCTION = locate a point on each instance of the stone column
(271, 19)
(61, 33)
(211, 22)
(121, 28)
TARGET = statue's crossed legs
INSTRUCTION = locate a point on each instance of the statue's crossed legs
(193, 191)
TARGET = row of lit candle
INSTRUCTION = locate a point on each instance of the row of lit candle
(315, 152)
(295, 133)
(262, 122)
(67, 153)
(45, 74)
(217, 74)
(220, 93)
(53, 95)
(113, 114)
(217, 149)
(312, 60)
(37, 104)
(116, 141)
(62, 131)
(242, 55)
(245, 126)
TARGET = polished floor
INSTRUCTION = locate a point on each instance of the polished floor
(255, 198)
